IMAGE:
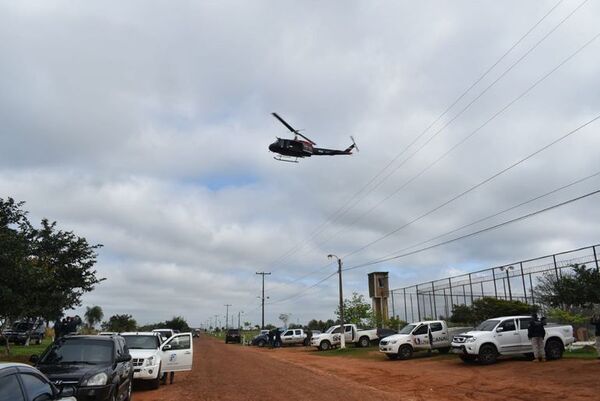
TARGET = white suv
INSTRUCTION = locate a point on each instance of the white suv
(144, 348)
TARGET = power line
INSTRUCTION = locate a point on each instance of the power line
(563, 187)
(494, 227)
(341, 210)
(473, 133)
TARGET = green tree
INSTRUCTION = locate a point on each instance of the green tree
(120, 323)
(487, 308)
(93, 316)
(356, 310)
(578, 289)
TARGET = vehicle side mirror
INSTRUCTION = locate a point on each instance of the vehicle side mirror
(166, 347)
(499, 329)
(34, 359)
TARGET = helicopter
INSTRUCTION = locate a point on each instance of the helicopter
(290, 150)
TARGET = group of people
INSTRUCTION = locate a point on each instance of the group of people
(274, 338)
(67, 325)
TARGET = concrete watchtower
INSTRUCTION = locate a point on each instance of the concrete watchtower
(379, 291)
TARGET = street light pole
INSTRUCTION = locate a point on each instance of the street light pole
(342, 328)
(507, 269)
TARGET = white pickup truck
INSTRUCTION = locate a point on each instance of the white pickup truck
(294, 337)
(415, 337)
(507, 335)
(331, 338)
(152, 357)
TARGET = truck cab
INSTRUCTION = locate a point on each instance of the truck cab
(418, 336)
(331, 338)
(294, 337)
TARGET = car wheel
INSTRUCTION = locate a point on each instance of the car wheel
(325, 345)
(444, 350)
(554, 349)
(261, 343)
(393, 357)
(364, 342)
(405, 352)
(488, 354)
(155, 383)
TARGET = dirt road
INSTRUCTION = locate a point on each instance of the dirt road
(231, 372)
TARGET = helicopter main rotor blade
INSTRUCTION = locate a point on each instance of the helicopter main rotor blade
(295, 131)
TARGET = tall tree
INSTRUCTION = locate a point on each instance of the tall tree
(578, 289)
(356, 310)
(120, 323)
(93, 316)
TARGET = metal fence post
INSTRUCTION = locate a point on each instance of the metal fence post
(393, 306)
(412, 309)
(531, 285)
(434, 311)
(405, 311)
(494, 276)
(555, 266)
(418, 303)
(595, 257)
(471, 288)
(523, 279)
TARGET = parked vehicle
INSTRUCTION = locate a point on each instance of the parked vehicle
(262, 339)
(331, 338)
(99, 367)
(233, 336)
(415, 337)
(508, 336)
(20, 382)
(295, 337)
(144, 348)
(165, 333)
(19, 332)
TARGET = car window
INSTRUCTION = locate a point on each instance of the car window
(348, 329)
(36, 388)
(289, 333)
(10, 390)
(508, 325)
(79, 350)
(297, 332)
(421, 330)
(142, 342)
(524, 323)
(437, 326)
(181, 342)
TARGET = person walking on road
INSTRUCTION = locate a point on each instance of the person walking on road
(595, 321)
(536, 333)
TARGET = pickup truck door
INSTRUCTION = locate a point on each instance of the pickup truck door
(350, 334)
(421, 337)
(287, 337)
(508, 338)
(298, 337)
(177, 353)
(525, 341)
(441, 338)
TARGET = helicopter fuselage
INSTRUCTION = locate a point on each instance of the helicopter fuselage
(297, 148)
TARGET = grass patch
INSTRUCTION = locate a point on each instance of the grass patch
(21, 353)
(581, 353)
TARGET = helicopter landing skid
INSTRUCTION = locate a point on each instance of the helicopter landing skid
(286, 159)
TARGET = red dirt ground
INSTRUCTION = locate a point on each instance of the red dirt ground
(231, 372)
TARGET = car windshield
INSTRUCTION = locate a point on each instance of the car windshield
(407, 329)
(142, 342)
(22, 326)
(79, 350)
(330, 330)
(488, 325)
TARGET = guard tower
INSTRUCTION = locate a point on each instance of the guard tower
(379, 290)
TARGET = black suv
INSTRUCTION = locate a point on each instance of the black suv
(99, 367)
(233, 336)
(19, 331)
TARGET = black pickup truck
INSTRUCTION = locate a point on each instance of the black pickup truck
(99, 367)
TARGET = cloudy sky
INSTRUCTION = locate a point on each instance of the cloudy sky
(144, 126)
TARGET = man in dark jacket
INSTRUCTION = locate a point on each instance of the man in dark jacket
(536, 333)
(595, 321)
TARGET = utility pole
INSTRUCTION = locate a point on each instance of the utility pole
(342, 328)
(262, 298)
(240, 319)
(507, 269)
(227, 316)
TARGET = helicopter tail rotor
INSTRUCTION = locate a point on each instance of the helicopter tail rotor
(353, 146)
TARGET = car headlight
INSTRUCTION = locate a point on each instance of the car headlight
(99, 379)
(392, 342)
(471, 339)
(149, 361)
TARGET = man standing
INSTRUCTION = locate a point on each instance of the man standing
(595, 321)
(536, 333)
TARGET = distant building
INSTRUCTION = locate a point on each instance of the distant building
(379, 290)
